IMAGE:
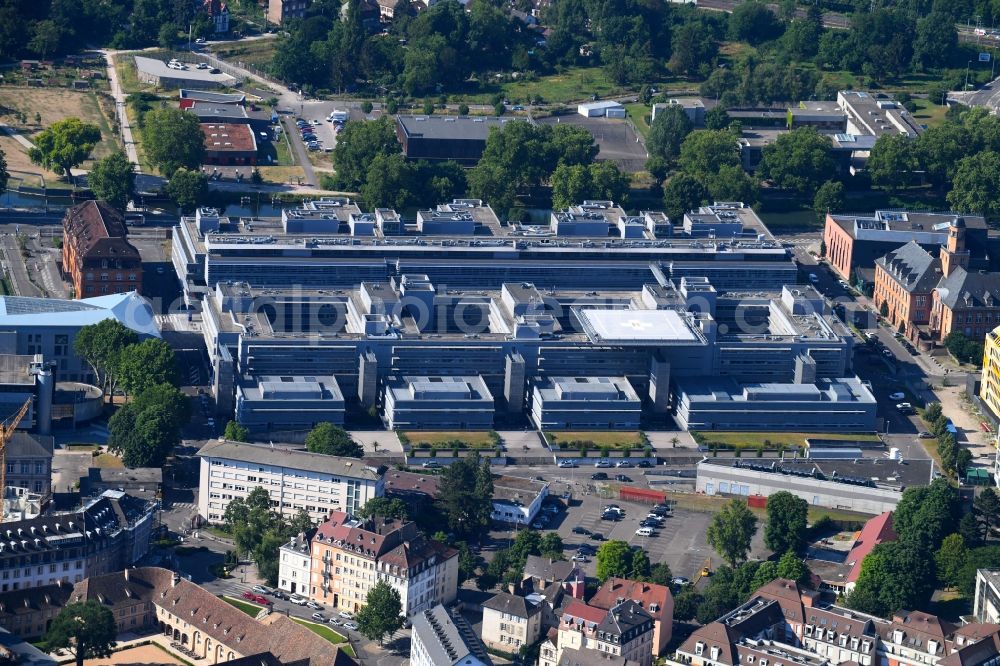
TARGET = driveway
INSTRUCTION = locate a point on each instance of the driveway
(301, 153)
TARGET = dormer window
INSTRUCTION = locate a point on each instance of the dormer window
(699, 648)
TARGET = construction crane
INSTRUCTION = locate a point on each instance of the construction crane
(7, 428)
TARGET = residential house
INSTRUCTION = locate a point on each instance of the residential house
(655, 599)
(511, 622)
(625, 631)
(915, 638)
(542, 573)
(294, 564)
(218, 12)
(29, 463)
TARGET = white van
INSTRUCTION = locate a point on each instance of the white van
(644, 531)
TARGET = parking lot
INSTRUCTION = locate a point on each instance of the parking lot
(617, 140)
(680, 542)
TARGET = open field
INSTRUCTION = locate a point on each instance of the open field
(258, 52)
(928, 113)
(639, 114)
(788, 439)
(52, 104)
(280, 174)
(140, 654)
(19, 166)
(108, 461)
(599, 438)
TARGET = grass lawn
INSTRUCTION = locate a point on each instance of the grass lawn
(217, 531)
(250, 609)
(108, 461)
(629, 439)
(754, 439)
(639, 113)
(81, 447)
(476, 439)
(801, 219)
(713, 504)
(929, 113)
(258, 52)
(574, 85)
(281, 174)
(327, 633)
(128, 76)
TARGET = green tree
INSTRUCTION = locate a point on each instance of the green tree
(692, 45)
(551, 546)
(99, 345)
(686, 604)
(640, 565)
(894, 576)
(145, 430)
(87, 629)
(950, 558)
(46, 37)
(717, 118)
(4, 175)
(799, 160)
(667, 133)
(792, 567)
(382, 614)
(987, 507)
(829, 198)
(146, 364)
(681, 194)
(892, 161)
(975, 184)
(609, 183)
(391, 182)
(704, 153)
(936, 40)
(332, 440)
(971, 530)
(236, 432)
(172, 138)
(466, 495)
(357, 147)
(940, 148)
(931, 412)
(113, 180)
(167, 35)
(366, 107)
(787, 522)
(661, 574)
(64, 145)
(384, 508)
(925, 514)
(301, 522)
(731, 531)
(614, 558)
(753, 22)
(188, 189)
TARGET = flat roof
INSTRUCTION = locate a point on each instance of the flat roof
(608, 326)
(882, 472)
(462, 128)
(281, 456)
(159, 69)
(225, 137)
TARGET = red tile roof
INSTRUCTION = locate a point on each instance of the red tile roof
(95, 229)
(644, 594)
(580, 610)
(877, 530)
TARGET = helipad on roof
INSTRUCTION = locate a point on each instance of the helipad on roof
(636, 326)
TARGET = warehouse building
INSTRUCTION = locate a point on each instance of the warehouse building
(459, 138)
(867, 485)
(603, 109)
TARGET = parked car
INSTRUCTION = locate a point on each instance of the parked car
(353, 626)
(334, 621)
(431, 464)
(318, 617)
(898, 395)
(517, 107)
(624, 463)
(537, 526)
(610, 515)
(277, 594)
(568, 463)
(623, 478)
(602, 463)
(262, 600)
(644, 531)
(813, 278)
(297, 600)
(599, 476)
(347, 615)
(313, 605)
(923, 434)
(581, 530)
(597, 536)
(645, 464)
(260, 589)
(679, 581)
(249, 596)
(580, 558)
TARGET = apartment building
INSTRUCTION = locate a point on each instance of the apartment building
(295, 565)
(107, 534)
(654, 599)
(279, 11)
(349, 556)
(904, 286)
(295, 479)
(29, 463)
(989, 390)
(589, 635)
(987, 600)
(511, 622)
(96, 254)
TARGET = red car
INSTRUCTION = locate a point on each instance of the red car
(249, 596)
(263, 601)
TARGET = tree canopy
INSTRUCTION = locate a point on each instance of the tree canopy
(896, 575)
(614, 558)
(466, 495)
(667, 132)
(64, 145)
(100, 345)
(731, 531)
(85, 628)
(332, 440)
(113, 180)
(172, 138)
(146, 364)
(382, 614)
(236, 432)
(800, 160)
(187, 188)
(145, 430)
(359, 144)
(787, 517)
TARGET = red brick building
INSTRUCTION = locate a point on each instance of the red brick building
(96, 256)
(229, 144)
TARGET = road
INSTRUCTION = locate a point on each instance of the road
(301, 154)
(17, 271)
(119, 96)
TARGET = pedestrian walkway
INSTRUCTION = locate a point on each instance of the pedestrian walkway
(17, 136)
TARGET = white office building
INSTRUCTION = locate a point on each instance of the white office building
(295, 479)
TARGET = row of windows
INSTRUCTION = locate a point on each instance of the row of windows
(118, 276)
